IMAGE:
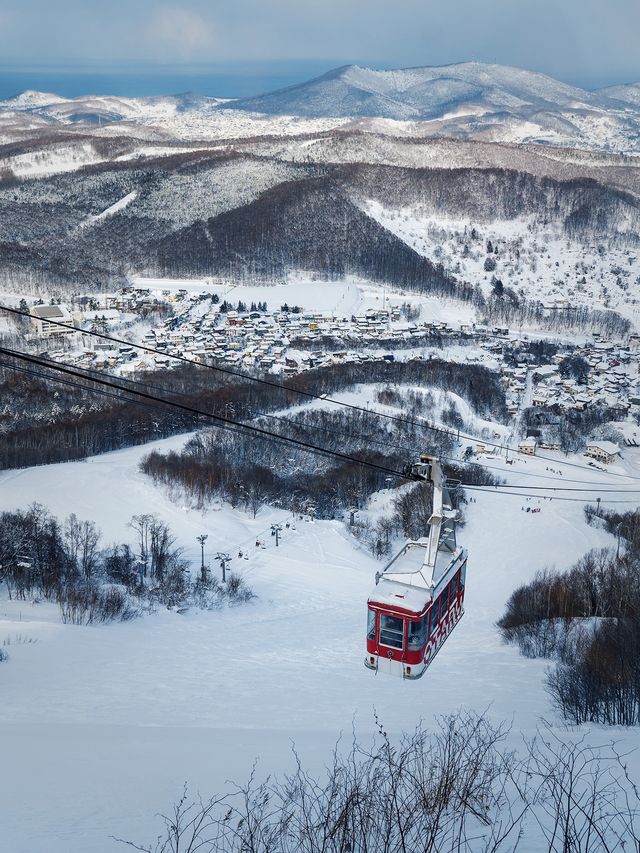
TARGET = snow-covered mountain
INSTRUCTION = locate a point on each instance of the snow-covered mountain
(96, 109)
(190, 185)
(470, 100)
(425, 93)
(629, 95)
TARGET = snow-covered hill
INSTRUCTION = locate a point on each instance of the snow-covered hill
(101, 726)
(466, 100)
(629, 95)
(107, 108)
(424, 93)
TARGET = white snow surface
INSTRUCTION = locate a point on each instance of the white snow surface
(465, 100)
(538, 260)
(350, 295)
(51, 161)
(101, 726)
(114, 208)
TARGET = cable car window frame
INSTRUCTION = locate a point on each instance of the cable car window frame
(444, 601)
(434, 616)
(454, 586)
(423, 634)
(391, 645)
(371, 625)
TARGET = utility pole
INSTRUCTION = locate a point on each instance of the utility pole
(224, 559)
(618, 526)
(275, 531)
(202, 539)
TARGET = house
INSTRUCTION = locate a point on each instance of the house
(603, 451)
(539, 400)
(41, 314)
(527, 446)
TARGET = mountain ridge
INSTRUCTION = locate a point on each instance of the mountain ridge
(424, 89)
(468, 100)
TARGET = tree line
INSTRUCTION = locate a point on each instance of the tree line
(43, 421)
(65, 562)
(586, 621)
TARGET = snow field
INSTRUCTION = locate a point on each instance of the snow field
(112, 720)
(51, 161)
(537, 261)
(351, 295)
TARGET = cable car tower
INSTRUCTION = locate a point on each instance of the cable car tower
(418, 598)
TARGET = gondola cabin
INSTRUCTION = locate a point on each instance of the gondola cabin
(419, 597)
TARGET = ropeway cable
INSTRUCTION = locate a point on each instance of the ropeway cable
(238, 426)
(309, 394)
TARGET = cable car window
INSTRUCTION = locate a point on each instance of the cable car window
(391, 631)
(444, 601)
(418, 632)
(453, 588)
(371, 625)
(434, 616)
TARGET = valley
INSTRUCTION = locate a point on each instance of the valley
(228, 329)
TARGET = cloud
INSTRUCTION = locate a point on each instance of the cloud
(581, 41)
(179, 33)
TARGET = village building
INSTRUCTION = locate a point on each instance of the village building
(603, 451)
(527, 446)
(41, 315)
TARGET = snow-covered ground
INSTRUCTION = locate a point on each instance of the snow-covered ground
(351, 295)
(339, 297)
(538, 262)
(113, 208)
(101, 726)
(52, 161)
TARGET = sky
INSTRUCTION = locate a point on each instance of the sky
(584, 42)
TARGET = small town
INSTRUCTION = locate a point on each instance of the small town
(286, 341)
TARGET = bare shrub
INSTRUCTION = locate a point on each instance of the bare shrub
(459, 789)
(237, 590)
(90, 603)
(587, 620)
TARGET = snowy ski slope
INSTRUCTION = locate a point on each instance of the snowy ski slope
(101, 726)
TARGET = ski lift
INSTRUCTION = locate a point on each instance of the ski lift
(419, 596)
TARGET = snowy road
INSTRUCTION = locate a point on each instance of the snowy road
(112, 720)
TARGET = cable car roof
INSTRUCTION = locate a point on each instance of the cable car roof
(407, 584)
(391, 594)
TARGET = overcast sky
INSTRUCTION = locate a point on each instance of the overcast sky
(589, 42)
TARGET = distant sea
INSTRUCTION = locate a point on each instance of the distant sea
(233, 81)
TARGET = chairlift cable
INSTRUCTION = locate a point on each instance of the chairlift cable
(238, 426)
(220, 420)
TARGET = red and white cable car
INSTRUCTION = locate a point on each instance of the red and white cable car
(418, 598)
